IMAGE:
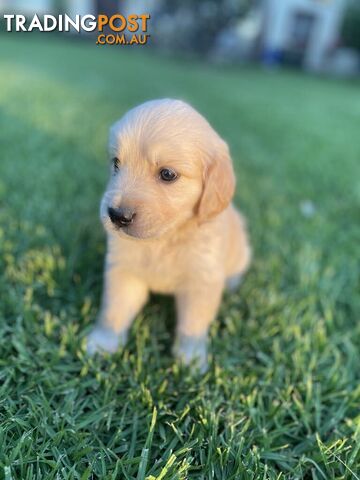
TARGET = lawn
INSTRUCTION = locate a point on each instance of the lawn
(281, 399)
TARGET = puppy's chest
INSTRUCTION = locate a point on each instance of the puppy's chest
(160, 266)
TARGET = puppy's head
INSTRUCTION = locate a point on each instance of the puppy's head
(168, 166)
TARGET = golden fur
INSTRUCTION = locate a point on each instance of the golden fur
(186, 239)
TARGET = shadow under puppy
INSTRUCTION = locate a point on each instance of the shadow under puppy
(171, 228)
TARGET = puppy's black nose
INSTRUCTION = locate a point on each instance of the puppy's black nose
(121, 217)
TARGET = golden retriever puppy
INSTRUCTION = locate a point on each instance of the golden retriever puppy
(171, 228)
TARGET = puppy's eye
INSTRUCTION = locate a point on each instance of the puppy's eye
(116, 164)
(167, 175)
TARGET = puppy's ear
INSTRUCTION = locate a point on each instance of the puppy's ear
(219, 185)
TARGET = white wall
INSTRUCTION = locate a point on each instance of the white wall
(26, 6)
(325, 35)
(73, 7)
(139, 6)
(328, 15)
(80, 7)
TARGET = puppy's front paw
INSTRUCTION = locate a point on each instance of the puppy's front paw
(103, 339)
(189, 349)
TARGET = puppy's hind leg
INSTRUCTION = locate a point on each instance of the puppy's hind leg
(196, 310)
(234, 282)
(235, 278)
(123, 297)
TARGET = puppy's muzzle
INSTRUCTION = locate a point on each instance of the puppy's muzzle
(121, 217)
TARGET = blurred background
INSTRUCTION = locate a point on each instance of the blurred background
(316, 35)
(279, 80)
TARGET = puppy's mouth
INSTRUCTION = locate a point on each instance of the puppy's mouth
(137, 229)
(134, 232)
(131, 231)
(126, 232)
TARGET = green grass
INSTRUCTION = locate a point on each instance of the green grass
(282, 397)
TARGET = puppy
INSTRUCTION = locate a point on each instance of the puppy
(170, 226)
